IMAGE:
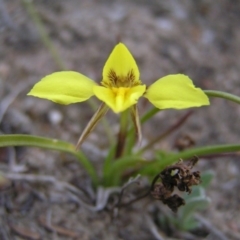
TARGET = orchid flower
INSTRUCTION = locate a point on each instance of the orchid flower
(119, 89)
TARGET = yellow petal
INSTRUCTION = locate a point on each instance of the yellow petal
(119, 99)
(175, 91)
(64, 87)
(122, 64)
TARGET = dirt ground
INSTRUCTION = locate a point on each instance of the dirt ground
(198, 38)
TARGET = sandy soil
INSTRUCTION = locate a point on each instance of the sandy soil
(197, 38)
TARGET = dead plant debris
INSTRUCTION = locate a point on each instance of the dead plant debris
(177, 176)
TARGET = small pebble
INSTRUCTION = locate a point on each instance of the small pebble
(55, 117)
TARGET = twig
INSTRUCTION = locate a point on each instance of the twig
(4, 230)
(101, 198)
(14, 167)
(131, 181)
(58, 229)
(126, 185)
(153, 228)
(7, 101)
(48, 179)
(218, 234)
(12, 163)
(171, 129)
(24, 232)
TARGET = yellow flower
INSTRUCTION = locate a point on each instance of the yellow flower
(120, 87)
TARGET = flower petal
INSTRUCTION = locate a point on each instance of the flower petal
(119, 99)
(64, 87)
(175, 91)
(122, 63)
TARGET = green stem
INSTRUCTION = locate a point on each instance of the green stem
(200, 152)
(122, 133)
(149, 114)
(219, 94)
(204, 151)
(48, 143)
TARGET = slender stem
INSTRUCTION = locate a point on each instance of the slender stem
(149, 114)
(219, 94)
(221, 155)
(135, 199)
(48, 143)
(43, 34)
(170, 158)
(122, 133)
(172, 128)
(201, 152)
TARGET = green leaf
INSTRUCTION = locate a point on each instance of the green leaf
(107, 164)
(197, 203)
(121, 165)
(160, 163)
(48, 143)
(206, 178)
(190, 224)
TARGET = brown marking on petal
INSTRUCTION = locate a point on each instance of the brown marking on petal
(115, 81)
(131, 78)
(113, 78)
